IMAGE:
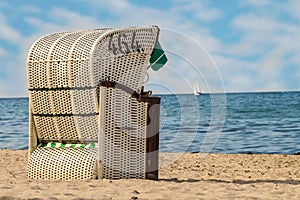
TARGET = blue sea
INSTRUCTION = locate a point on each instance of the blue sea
(266, 122)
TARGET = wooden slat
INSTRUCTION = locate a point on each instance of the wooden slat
(152, 141)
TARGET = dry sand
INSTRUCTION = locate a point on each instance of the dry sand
(215, 176)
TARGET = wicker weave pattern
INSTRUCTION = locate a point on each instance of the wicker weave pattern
(62, 163)
(62, 67)
(122, 142)
(125, 68)
(64, 70)
(74, 63)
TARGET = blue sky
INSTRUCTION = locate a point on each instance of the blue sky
(253, 44)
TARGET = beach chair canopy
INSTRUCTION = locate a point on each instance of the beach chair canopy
(88, 116)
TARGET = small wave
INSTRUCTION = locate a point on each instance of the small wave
(287, 130)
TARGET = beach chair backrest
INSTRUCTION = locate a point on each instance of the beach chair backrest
(64, 72)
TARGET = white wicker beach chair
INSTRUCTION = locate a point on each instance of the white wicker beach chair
(88, 116)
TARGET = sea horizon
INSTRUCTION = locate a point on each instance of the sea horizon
(253, 122)
(204, 93)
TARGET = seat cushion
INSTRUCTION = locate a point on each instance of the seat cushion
(62, 163)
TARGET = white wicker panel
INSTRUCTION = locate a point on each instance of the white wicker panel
(87, 127)
(56, 69)
(45, 128)
(39, 51)
(122, 141)
(123, 55)
(37, 74)
(59, 58)
(81, 74)
(70, 127)
(127, 69)
(37, 60)
(58, 76)
(62, 163)
(66, 128)
(83, 48)
(63, 47)
(40, 101)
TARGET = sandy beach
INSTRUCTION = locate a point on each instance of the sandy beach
(186, 176)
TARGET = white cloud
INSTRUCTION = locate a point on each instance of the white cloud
(293, 7)
(12, 64)
(262, 31)
(3, 52)
(62, 20)
(197, 9)
(73, 20)
(30, 9)
(266, 46)
(256, 3)
(260, 34)
(271, 64)
(254, 22)
(3, 86)
(7, 32)
(295, 59)
(14, 83)
(238, 81)
(116, 7)
(274, 85)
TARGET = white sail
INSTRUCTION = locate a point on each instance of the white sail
(196, 89)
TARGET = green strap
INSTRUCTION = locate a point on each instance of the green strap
(61, 145)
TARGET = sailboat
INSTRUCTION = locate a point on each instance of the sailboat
(196, 89)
